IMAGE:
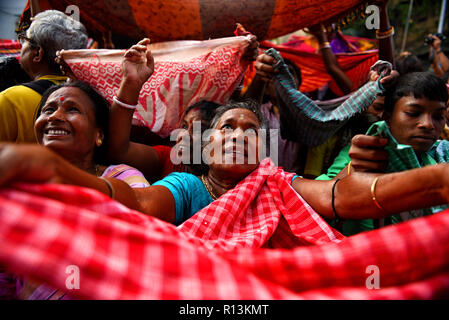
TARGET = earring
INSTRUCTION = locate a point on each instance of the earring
(99, 142)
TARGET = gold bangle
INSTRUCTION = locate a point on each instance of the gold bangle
(325, 44)
(385, 34)
(373, 195)
(110, 187)
(349, 167)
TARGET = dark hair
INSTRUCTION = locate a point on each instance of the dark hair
(248, 104)
(418, 85)
(101, 111)
(206, 108)
(408, 63)
(11, 73)
(207, 111)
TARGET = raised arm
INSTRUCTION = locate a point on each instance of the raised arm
(301, 119)
(360, 196)
(385, 34)
(138, 66)
(330, 62)
(440, 62)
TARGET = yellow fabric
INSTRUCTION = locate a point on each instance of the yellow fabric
(319, 157)
(18, 109)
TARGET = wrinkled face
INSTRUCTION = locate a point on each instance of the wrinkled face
(67, 123)
(377, 107)
(234, 144)
(417, 122)
(27, 52)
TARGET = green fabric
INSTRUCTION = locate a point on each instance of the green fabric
(340, 162)
(401, 157)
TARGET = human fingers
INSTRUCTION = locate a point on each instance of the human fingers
(360, 165)
(144, 42)
(389, 80)
(363, 140)
(266, 59)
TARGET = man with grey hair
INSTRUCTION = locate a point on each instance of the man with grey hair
(49, 32)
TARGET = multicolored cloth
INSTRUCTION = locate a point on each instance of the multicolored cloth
(133, 177)
(10, 48)
(185, 72)
(165, 20)
(355, 57)
(302, 120)
(123, 254)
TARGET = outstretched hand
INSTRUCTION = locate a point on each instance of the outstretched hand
(138, 64)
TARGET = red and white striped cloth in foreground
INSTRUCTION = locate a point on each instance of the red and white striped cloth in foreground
(122, 254)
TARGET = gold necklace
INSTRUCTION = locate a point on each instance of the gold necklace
(208, 188)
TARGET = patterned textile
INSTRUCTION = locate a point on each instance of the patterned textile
(304, 55)
(302, 120)
(164, 20)
(133, 177)
(185, 73)
(263, 210)
(122, 254)
(9, 48)
(403, 157)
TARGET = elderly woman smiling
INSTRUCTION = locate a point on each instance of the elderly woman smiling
(73, 123)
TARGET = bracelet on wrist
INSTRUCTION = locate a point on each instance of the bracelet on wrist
(384, 34)
(325, 44)
(124, 105)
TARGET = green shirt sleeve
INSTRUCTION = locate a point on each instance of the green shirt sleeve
(340, 162)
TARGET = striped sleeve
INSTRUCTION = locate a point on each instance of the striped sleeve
(305, 122)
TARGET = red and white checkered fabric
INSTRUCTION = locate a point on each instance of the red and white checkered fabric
(185, 72)
(263, 210)
(123, 254)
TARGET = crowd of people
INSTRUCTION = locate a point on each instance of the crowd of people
(376, 159)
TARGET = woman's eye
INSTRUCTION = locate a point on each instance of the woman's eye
(226, 126)
(74, 109)
(48, 110)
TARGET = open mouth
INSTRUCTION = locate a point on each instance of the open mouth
(57, 132)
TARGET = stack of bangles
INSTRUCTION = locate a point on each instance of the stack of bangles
(384, 34)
